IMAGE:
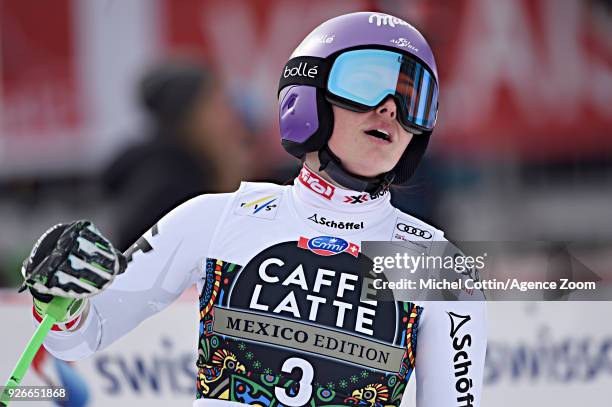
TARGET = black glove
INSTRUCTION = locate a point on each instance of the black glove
(71, 260)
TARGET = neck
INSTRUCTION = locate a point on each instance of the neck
(312, 163)
(312, 187)
(328, 165)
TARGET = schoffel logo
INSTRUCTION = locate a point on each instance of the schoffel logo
(333, 224)
(328, 246)
(385, 19)
(317, 184)
(461, 359)
(411, 230)
(403, 42)
(301, 70)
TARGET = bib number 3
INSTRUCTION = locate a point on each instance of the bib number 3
(305, 390)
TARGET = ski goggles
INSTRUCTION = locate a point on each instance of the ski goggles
(362, 79)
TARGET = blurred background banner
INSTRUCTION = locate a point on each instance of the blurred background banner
(67, 79)
(531, 78)
(41, 99)
(116, 111)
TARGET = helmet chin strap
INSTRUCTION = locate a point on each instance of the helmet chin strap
(333, 166)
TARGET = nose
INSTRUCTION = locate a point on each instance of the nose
(388, 108)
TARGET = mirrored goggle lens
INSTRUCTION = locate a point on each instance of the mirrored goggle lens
(366, 77)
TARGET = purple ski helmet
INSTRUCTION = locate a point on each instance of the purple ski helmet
(305, 112)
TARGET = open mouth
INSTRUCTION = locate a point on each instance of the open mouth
(379, 133)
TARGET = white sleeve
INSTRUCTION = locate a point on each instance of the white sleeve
(163, 263)
(451, 347)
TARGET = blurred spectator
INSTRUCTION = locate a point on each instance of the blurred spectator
(197, 144)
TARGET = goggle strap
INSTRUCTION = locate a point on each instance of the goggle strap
(311, 71)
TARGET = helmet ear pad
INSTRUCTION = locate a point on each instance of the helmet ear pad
(409, 161)
(306, 119)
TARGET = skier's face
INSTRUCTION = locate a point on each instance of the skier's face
(358, 140)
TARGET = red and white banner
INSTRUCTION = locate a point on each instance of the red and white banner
(39, 89)
(525, 78)
(39, 96)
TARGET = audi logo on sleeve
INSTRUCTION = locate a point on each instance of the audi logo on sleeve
(413, 230)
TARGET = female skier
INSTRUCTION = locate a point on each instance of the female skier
(282, 318)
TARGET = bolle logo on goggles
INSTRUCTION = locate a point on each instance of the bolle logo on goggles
(328, 246)
(385, 19)
(316, 184)
(301, 70)
(461, 360)
(411, 230)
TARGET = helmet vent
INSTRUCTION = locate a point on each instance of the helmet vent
(291, 101)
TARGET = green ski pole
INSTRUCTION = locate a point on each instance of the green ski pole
(56, 310)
